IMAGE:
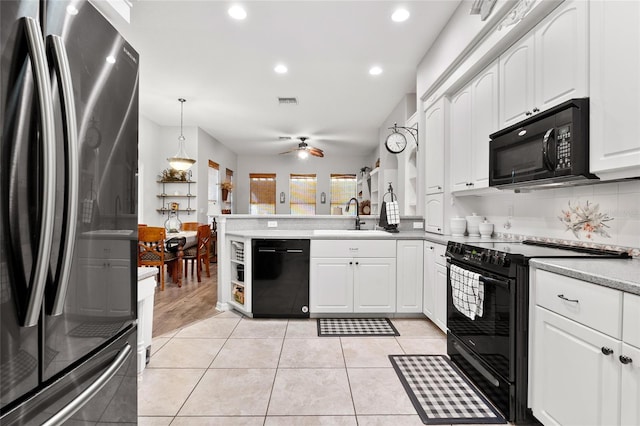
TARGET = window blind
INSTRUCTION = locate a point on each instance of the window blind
(262, 188)
(343, 188)
(302, 193)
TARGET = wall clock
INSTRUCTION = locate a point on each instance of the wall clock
(395, 143)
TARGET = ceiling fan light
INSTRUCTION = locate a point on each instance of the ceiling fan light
(181, 161)
(303, 154)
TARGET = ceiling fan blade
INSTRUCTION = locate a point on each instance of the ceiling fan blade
(316, 152)
(291, 150)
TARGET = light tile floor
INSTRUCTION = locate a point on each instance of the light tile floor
(230, 370)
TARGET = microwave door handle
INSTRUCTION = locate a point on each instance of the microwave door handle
(545, 150)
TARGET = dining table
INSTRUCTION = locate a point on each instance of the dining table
(179, 241)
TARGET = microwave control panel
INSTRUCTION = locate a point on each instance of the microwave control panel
(563, 148)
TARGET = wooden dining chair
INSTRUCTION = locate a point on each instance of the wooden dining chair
(151, 250)
(190, 226)
(199, 254)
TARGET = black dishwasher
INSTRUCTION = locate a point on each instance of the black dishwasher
(280, 278)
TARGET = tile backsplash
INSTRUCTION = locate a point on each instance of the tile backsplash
(607, 213)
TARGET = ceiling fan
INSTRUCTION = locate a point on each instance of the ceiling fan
(304, 150)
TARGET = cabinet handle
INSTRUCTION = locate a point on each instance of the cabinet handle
(606, 351)
(357, 263)
(350, 263)
(536, 109)
(431, 248)
(561, 296)
(625, 359)
(439, 187)
(528, 113)
(439, 229)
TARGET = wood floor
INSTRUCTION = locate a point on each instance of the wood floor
(176, 306)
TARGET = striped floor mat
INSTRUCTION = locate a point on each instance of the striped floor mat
(440, 393)
(356, 327)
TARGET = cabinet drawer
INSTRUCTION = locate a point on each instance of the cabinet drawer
(104, 249)
(440, 251)
(353, 248)
(589, 304)
(631, 319)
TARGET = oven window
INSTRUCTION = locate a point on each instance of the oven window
(489, 335)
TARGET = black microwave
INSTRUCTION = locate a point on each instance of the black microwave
(548, 149)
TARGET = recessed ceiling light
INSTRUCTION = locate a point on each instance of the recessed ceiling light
(111, 59)
(376, 70)
(237, 12)
(72, 10)
(281, 69)
(400, 15)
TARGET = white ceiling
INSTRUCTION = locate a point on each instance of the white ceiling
(224, 68)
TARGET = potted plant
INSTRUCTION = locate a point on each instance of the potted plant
(226, 187)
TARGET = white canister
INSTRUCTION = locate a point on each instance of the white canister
(473, 222)
(458, 226)
(486, 229)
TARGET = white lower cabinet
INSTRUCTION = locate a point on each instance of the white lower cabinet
(353, 280)
(575, 383)
(409, 276)
(434, 302)
(584, 368)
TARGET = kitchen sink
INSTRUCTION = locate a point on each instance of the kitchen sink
(352, 232)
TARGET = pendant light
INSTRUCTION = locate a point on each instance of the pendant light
(181, 161)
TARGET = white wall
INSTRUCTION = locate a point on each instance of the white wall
(283, 166)
(209, 148)
(155, 144)
(537, 213)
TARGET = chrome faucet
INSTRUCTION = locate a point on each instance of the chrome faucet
(357, 211)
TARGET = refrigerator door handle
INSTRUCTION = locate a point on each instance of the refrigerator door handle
(60, 65)
(70, 409)
(38, 58)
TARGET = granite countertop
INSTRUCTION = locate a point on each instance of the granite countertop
(146, 272)
(619, 274)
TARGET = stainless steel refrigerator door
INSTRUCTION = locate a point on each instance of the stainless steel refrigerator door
(101, 390)
(22, 186)
(101, 290)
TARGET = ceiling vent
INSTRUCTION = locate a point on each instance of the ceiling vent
(284, 138)
(287, 101)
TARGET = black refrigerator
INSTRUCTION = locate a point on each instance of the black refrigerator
(68, 216)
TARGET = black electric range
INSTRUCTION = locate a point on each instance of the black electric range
(492, 348)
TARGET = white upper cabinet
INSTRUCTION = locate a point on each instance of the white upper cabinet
(614, 89)
(546, 67)
(435, 135)
(516, 82)
(474, 115)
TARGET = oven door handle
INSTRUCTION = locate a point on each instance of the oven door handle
(493, 281)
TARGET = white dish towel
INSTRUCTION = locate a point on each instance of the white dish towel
(393, 212)
(467, 292)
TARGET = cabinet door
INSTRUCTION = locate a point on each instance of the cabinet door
(561, 55)
(516, 82)
(434, 213)
(484, 121)
(614, 92)
(460, 137)
(434, 151)
(374, 285)
(573, 381)
(441, 297)
(429, 286)
(119, 303)
(331, 285)
(92, 293)
(409, 276)
(630, 391)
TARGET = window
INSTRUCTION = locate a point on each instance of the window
(343, 188)
(262, 188)
(302, 193)
(213, 181)
(229, 178)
